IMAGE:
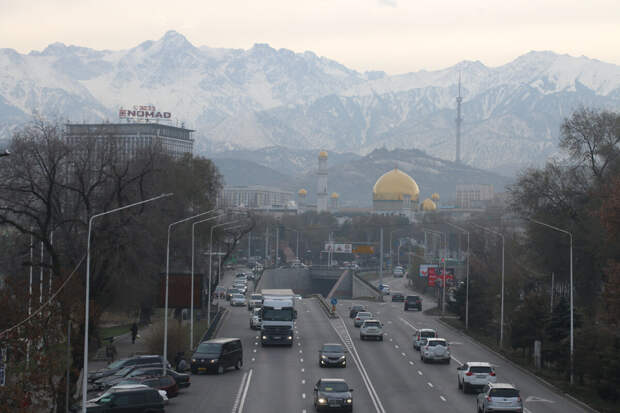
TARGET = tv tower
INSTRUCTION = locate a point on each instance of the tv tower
(459, 99)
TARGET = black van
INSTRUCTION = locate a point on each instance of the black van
(217, 355)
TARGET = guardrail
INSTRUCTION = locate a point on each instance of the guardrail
(369, 284)
(216, 320)
(325, 306)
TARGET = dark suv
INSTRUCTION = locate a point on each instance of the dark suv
(413, 301)
(138, 400)
(217, 355)
(356, 309)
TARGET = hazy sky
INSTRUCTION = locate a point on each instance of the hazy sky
(392, 35)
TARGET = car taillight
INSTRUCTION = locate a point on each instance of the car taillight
(489, 398)
(492, 374)
(469, 373)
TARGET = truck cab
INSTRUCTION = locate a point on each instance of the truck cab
(278, 316)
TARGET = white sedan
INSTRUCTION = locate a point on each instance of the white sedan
(237, 300)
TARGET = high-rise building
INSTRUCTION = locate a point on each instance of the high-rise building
(129, 138)
(321, 192)
(473, 195)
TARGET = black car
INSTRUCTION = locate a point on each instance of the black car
(398, 297)
(138, 400)
(356, 309)
(182, 379)
(332, 394)
(332, 354)
(109, 381)
(217, 355)
(122, 363)
(413, 301)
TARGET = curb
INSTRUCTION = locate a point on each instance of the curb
(550, 386)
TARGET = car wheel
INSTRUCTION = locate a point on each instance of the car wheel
(458, 382)
(448, 361)
(361, 337)
(465, 388)
(238, 364)
(194, 371)
(380, 338)
(220, 369)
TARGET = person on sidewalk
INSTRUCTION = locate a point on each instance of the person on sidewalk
(134, 333)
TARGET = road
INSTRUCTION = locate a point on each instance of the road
(387, 376)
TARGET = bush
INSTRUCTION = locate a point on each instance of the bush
(178, 339)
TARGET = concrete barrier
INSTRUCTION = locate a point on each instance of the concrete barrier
(364, 289)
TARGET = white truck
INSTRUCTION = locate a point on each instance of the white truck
(278, 316)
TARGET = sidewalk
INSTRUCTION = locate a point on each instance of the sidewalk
(124, 348)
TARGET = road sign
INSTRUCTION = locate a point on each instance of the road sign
(334, 301)
(364, 249)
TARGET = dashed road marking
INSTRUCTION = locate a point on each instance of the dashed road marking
(408, 323)
(411, 362)
(301, 360)
(254, 350)
(253, 359)
(396, 346)
(303, 370)
(430, 384)
(403, 354)
(303, 381)
(303, 395)
(301, 351)
(419, 372)
(452, 357)
(443, 399)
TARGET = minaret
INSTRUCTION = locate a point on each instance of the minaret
(459, 99)
(321, 190)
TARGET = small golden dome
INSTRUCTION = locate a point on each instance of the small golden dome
(323, 154)
(302, 192)
(392, 185)
(335, 195)
(435, 197)
(428, 205)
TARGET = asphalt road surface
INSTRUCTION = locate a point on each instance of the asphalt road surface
(387, 376)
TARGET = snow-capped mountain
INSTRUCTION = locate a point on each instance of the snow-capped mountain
(263, 97)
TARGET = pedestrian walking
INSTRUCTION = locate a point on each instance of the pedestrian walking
(134, 333)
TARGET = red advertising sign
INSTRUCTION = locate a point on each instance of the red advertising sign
(435, 274)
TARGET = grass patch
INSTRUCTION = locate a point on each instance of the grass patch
(114, 331)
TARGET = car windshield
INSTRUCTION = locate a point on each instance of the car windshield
(427, 334)
(412, 298)
(117, 364)
(504, 393)
(372, 324)
(123, 371)
(237, 296)
(209, 348)
(357, 307)
(333, 348)
(330, 386)
(257, 297)
(270, 314)
(363, 314)
(480, 369)
(433, 343)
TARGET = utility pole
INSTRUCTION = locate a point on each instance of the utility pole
(266, 246)
(552, 281)
(381, 256)
(459, 99)
(277, 244)
(249, 246)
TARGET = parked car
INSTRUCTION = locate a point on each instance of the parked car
(109, 381)
(165, 383)
(332, 354)
(230, 292)
(134, 399)
(413, 301)
(182, 379)
(255, 319)
(220, 292)
(332, 394)
(217, 354)
(256, 300)
(126, 362)
(361, 317)
(398, 297)
(384, 288)
(475, 374)
(355, 309)
(237, 299)
(499, 397)
(435, 349)
(371, 329)
(421, 336)
(121, 387)
(398, 271)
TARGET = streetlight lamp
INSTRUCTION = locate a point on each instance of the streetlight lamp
(572, 342)
(501, 323)
(87, 301)
(165, 358)
(191, 311)
(466, 276)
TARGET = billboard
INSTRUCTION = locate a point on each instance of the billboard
(435, 276)
(143, 113)
(364, 249)
(338, 248)
(179, 290)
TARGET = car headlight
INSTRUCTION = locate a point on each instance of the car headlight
(290, 337)
(193, 360)
(322, 400)
(341, 358)
(349, 401)
(264, 337)
(324, 357)
(214, 360)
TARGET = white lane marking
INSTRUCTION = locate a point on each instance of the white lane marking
(538, 399)
(419, 372)
(389, 321)
(430, 384)
(303, 381)
(301, 360)
(303, 370)
(443, 399)
(254, 350)
(299, 344)
(396, 346)
(403, 354)
(256, 343)
(301, 351)
(391, 340)
(453, 358)
(411, 362)
(303, 411)
(408, 323)
(245, 392)
(239, 393)
(343, 332)
(253, 359)
(526, 410)
(303, 395)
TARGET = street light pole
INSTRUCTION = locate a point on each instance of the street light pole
(165, 358)
(443, 282)
(466, 276)
(191, 310)
(87, 301)
(501, 328)
(572, 342)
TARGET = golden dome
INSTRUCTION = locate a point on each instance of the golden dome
(323, 154)
(392, 185)
(435, 197)
(335, 195)
(428, 205)
(302, 192)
